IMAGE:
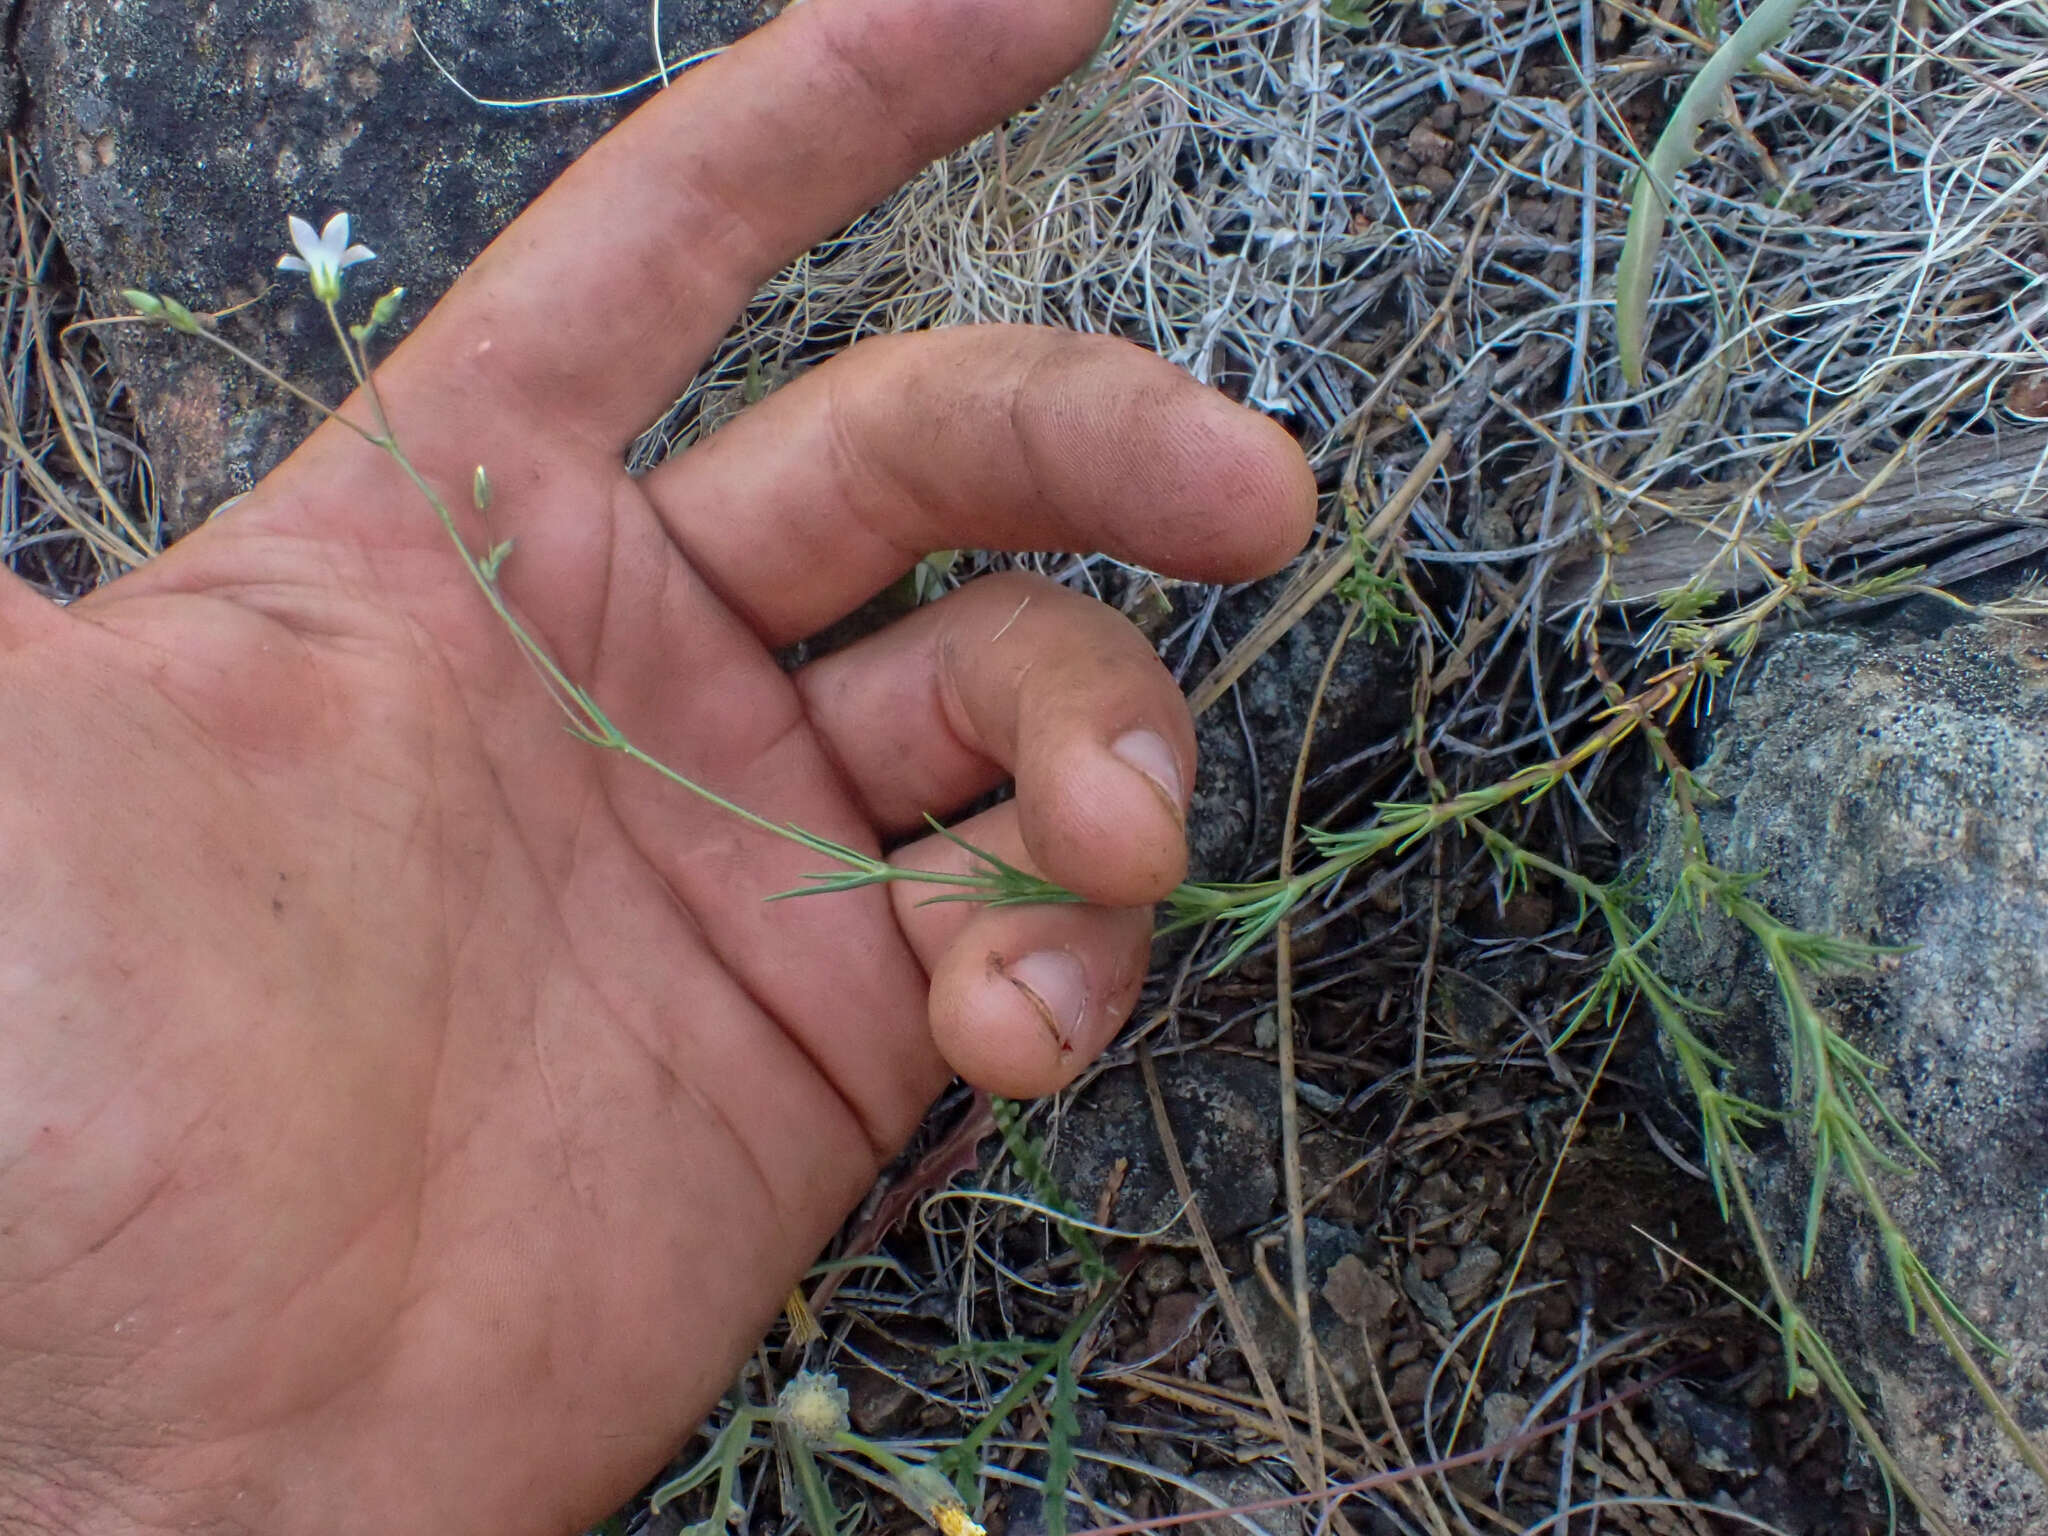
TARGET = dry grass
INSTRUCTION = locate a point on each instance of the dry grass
(76, 502)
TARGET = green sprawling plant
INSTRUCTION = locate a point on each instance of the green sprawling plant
(1833, 1097)
(1376, 593)
(1036, 1360)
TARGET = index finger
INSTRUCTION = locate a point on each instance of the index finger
(594, 307)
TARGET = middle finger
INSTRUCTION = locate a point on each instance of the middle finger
(983, 437)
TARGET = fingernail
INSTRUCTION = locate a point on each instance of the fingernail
(1056, 986)
(1148, 752)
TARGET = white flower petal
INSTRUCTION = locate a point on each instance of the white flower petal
(304, 236)
(293, 264)
(356, 253)
(334, 238)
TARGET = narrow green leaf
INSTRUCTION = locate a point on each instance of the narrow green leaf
(1676, 146)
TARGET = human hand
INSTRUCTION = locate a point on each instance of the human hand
(410, 1116)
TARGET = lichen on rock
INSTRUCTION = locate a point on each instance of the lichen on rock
(1893, 787)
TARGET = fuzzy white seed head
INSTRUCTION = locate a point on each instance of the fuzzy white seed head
(814, 1405)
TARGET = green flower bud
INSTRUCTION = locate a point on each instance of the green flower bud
(180, 318)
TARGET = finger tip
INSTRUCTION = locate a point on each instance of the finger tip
(1026, 998)
(1031, 47)
(1296, 496)
(1005, 1026)
(1073, 30)
(1116, 837)
(1243, 496)
(1264, 492)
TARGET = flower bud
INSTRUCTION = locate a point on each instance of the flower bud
(180, 318)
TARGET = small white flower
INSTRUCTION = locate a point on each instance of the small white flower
(322, 256)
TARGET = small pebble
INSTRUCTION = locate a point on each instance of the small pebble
(1501, 1415)
(1163, 1272)
(1474, 1271)
(1409, 1385)
(1436, 1262)
(1174, 1337)
(1429, 147)
(875, 1402)
(1429, 1299)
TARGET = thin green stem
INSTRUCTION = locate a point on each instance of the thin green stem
(965, 1455)
(359, 366)
(587, 718)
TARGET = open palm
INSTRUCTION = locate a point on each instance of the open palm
(409, 1116)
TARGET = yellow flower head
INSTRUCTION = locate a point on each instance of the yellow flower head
(925, 1491)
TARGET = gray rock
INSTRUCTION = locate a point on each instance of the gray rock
(1362, 1297)
(173, 136)
(1233, 1490)
(1162, 1274)
(1718, 1438)
(1894, 787)
(10, 70)
(1225, 1113)
(1347, 1343)
(1429, 1298)
(1501, 1416)
(1174, 1332)
(1477, 1016)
